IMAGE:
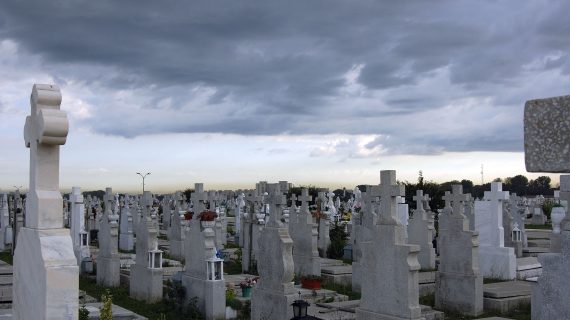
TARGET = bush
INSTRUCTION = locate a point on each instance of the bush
(83, 313)
(106, 312)
(338, 241)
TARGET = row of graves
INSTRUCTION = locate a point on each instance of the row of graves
(395, 259)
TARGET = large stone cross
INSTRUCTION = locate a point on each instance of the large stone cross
(389, 191)
(305, 198)
(76, 196)
(496, 194)
(275, 199)
(45, 130)
(456, 199)
(419, 198)
(198, 197)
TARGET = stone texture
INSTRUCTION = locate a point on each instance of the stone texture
(303, 231)
(390, 287)
(108, 260)
(546, 142)
(46, 276)
(459, 285)
(274, 293)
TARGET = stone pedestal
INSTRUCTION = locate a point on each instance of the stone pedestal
(324, 236)
(303, 232)
(146, 284)
(420, 232)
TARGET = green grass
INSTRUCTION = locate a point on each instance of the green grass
(522, 313)
(153, 311)
(342, 289)
(538, 226)
(232, 267)
(6, 256)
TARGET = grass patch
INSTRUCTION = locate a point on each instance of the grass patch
(342, 289)
(7, 257)
(428, 270)
(128, 251)
(547, 226)
(428, 300)
(531, 238)
(160, 310)
(231, 245)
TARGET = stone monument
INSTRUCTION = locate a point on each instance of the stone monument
(421, 231)
(390, 289)
(108, 261)
(303, 231)
(459, 284)
(46, 276)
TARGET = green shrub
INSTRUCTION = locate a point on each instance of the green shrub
(83, 313)
(106, 312)
(338, 241)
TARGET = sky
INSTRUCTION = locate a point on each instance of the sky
(323, 93)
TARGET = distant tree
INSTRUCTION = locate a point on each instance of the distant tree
(187, 193)
(540, 186)
(467, 186)
(517, 184)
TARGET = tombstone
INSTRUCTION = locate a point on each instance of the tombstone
(303, 232)
(176, 236)
(18, 219)
(459, 284)
(66, 213)
(324, 226)
(508, 225)
(274, 293)
(147, 272)
(390, 288)
(250, 231)
(5, 228)
(126, 237)
(365, 224)
(538, 216)
(203, 277)
(166, 214)
(238, 212)
(403, 214)
(519, 216)
(495, 260)
(546, 141)
(46, 276)
(79, 235)
(421, 232)
(469, 213)
(108, 261)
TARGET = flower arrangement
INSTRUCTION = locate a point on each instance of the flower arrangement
(248, 283)
(188, 215)
(208, 216)
(318, 214)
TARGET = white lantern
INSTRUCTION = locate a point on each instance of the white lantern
(155, 259)
(215, 268)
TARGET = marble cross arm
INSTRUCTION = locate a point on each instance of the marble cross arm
(47, 124)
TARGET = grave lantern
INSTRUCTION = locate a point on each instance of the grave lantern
(83, 238)
(516, 234)
(155, 259)
(215, 268)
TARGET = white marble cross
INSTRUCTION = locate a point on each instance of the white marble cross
(389, 191)
(419, 198)
(456, 199)
(198, 197)
(275, 199)
(496, 194)
(305, 198)
(45, 130)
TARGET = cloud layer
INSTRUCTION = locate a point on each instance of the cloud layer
(418, 77)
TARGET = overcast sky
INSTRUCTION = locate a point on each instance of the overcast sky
(314, 92)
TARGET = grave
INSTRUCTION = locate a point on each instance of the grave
(274, 293)
(459, 284)
(146, 273)
(421, 231)
(495, 260)
(303, 231)
(108, 261)
(390, 278)
(46, 276)
(177, 235)
(79, 236)
(126, 236)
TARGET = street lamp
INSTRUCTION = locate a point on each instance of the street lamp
(143, 176)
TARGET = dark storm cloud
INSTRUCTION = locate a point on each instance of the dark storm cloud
(279, 66)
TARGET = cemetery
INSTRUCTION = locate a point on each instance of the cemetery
(392, 250)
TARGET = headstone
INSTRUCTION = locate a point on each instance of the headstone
(459, 284)
(274, 293)
(177, 234)
(303, 231)
(366, 221)
(146, 273)
(403, 214)
(390, 289)
(421, 232)
(126, 236)
(46, 276)
(203, 277)
(238, 212)
(250, 230)
(324, 226)
(495, 260)
(108, 261)
(79, 235)
(5, 228)
(546, 145)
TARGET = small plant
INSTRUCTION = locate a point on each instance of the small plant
(106, 312)
(83, 313)
(248, 282)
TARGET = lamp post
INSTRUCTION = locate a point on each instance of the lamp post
(143, 177)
